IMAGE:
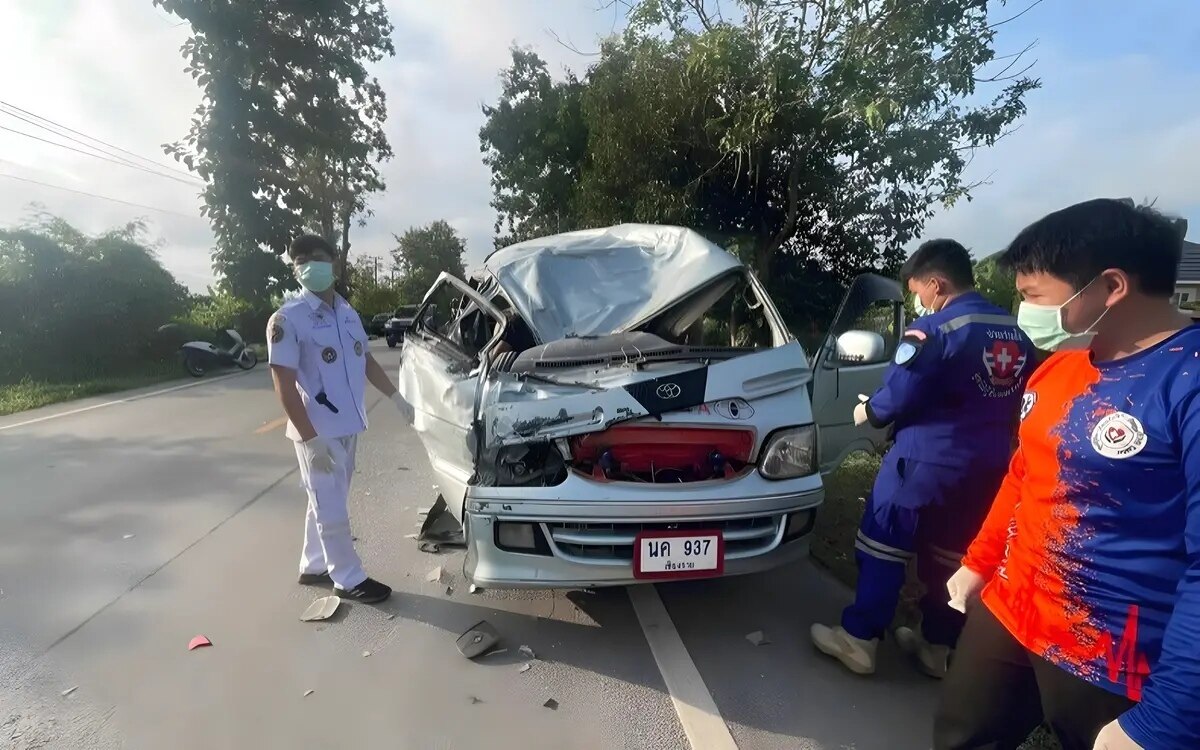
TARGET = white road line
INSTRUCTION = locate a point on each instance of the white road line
(702, 722)
(139, 397)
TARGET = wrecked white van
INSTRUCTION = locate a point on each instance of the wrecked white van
(591, 420)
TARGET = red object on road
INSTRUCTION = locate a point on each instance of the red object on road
(198, 642)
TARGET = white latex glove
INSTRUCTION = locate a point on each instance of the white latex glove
(860, 411)
(962, 587)
(406, 410)
(320, 455)
(1113, 737)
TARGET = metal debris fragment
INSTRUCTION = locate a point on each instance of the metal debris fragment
(69, 690)
(435, 575)
(527, 652)
(430, 547)
(525, 667)
(308, 693)
(389, 617)
(441, 528)
(478, 640)
(551, 704)
(476, 701)
(321, 609)
(758, 639)
(449, 591)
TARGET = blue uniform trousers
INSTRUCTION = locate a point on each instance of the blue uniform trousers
(924, 511)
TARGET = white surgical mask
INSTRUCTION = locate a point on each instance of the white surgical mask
(1043, 324)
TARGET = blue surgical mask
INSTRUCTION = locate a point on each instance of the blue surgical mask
(1043, 324)
(316, 275)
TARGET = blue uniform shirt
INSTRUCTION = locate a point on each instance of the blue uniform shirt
(953, 391)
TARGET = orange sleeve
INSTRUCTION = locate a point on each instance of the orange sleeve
(987, 551)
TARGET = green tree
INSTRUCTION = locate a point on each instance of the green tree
(290, 129)
(829, 131)
(422, 253)
(370, 294)
(995, 283)
(75, 306)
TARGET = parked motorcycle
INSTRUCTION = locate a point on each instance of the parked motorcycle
(200, 356)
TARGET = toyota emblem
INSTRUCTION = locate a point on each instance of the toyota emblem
(668, 391)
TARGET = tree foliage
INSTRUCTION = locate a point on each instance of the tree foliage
(422, 253)
(828, 130)
(370, 293)
(75, 306)
(290, 129)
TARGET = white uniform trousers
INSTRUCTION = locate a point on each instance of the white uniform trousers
(328, 544)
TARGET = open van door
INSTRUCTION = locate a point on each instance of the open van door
(441, 372)
(852, 359)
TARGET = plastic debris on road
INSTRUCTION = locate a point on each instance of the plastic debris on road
(129, 536)
(198, 642)
(473, 589)
(308, 693)
(321, 609)
(435, 575)
(476, 701)
(366, 654)
(551, 704)
(69, 690)
(758, 639)
(525, 667)
(478, 640)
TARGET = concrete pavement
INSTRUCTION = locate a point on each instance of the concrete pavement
(126, 530)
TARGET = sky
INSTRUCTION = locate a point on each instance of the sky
(1118, 115)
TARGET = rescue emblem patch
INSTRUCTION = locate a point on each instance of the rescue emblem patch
(329, 354)
(1119, 435)
(358, 348)
(276, 333)
(1027, 402)
(1004, 362)
(905, 352)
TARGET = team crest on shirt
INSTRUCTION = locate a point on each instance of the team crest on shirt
(1003, 362)
(1027, 402)
(1119, 435)
(329, 354)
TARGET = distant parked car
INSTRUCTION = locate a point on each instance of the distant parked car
(379, 324)
(399, 324)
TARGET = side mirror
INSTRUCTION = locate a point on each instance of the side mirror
(858, 348)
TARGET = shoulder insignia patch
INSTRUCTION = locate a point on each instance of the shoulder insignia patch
(906, 352)
(358, 349)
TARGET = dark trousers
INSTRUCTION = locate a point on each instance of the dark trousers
(924, 511)
(997, 692)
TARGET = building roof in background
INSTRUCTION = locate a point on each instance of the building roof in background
(1189, 266)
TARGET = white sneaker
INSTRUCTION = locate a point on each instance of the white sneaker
(932, 660)
(855, 654)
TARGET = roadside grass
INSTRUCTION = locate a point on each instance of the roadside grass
(30, 394)
(833, 548)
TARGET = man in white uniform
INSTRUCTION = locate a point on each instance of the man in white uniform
(320, 364)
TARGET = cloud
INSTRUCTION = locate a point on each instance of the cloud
(1121, 124)
(1114, 127)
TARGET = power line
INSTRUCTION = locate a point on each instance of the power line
(98, 156)
(101, 197)
(97, 140)
(83, 143)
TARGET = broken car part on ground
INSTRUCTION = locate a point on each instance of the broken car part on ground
(618, 405)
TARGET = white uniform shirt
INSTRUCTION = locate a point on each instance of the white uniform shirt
(327, 347)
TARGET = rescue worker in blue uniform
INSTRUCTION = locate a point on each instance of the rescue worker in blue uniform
(952, 396)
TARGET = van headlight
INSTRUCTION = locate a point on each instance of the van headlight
(790, 453)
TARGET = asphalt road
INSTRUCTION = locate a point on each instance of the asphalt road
(128, 528)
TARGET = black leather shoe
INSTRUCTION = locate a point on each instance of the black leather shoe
(315, 579)
(369, 591)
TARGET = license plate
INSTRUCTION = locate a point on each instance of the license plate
(678, 554)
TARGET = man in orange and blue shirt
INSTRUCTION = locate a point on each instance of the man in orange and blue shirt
(1088, 565)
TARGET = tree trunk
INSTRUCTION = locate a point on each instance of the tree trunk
(345, 250)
